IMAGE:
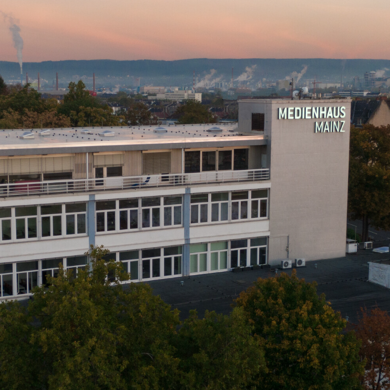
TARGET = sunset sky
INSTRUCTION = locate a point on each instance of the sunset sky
(173, 29)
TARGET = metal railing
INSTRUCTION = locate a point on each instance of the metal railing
(30, 188)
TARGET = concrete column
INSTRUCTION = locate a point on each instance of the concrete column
(186, 224)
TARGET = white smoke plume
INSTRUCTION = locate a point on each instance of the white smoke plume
(380, 73)
(16, 38)
(207, 80)
(297, 76)
(247, 75)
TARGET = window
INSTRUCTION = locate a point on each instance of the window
(114, 171)
(150, 212)
(76, 217)
(192, 162)
(172, 261)
(238, 253)
(156, 163)
(258, 122)
(51, 220)
(105, 216)
(172, 210)
(224, 160)
(258, 251)
(218, 256)
(58, 176)
(128, 214)
(239, 205)
(129, 262)
(50, 268)
(199, 208)
(6, 280)
(5, 226)
(241, 159)
(74, 264)
(208, 161)
(198, 258)
(151, 263)
(26, 276)
(219, 206)
(26, 222)
(259, 204)
(102, 172)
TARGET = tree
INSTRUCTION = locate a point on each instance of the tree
(369, 177)
(301, 336)
(139, 114)
(193, 112)
(95, 116)
(3, 87)
(373, 329)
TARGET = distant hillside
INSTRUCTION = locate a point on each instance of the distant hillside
(166, 72)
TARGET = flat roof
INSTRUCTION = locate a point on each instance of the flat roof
(122, 138)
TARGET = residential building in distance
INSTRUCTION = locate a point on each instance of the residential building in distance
(371, 112)
(176, 201)
(177, 96)
(152, 89)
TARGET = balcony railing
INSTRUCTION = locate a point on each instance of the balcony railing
(30, 188)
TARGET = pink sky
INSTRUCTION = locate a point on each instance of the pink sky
(178, 29)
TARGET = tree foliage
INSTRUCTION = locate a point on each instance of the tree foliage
(95, 116)
(373, 330)
(193, 112)
(369, 177)
(301, 336)
(138, 114)
(3, 87)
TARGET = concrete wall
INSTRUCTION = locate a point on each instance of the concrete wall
(309, 176)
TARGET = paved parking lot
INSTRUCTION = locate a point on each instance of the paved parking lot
(342, 280)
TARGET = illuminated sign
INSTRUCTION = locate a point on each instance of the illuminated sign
(317, 113)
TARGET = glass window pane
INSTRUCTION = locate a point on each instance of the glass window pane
(77, 260)
(254, 257)
(22, 283)
(123, 220)
(53, 263)
(6, 268)
(108, 205)
(203, 262)
(177, 215)
(222, 260)
(145, 269)
(6, 229)
(238, 244)
(203, 213)
(215, 212)
(130, 255)
(235, 208)
(81, 225)
(111, 220)
(45, 226)
(32, 280)
(168, 266)
(240, 159)
(177, 265)
(234, 259)
(259, 194)
(243, 257)
(199, 198)
(192, 162)
(255, 209)
(194, 263)
(133, 219)
(20, 228)
(5, 213)
(208, 161)
(216, 246)
(259, 241)
(239, 195)
(27, 266)
(214, 261)
(51, 209)
(167, 216)
(146, 218)
(173, 200)
(7, 286)
(220, 196)
(244, 210)
(195, 248)
(173, 250)
(263, 255)
(32, 227)
(224, 160)
(194, 213)
(155, 217)
(25, 211)
(114, 171)
(146, 202)
(75, 207)
(263, 208)
(70, 224)
(133, 270)
(128, 204)
(57, 226)
(224, 211)
(100, 226)
(150, 253)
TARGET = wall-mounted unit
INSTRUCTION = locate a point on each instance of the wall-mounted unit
(300, 263)
(286, 264)
(368, 245)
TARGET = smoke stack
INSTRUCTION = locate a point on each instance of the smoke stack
(39, 83)
(57, 81)
(94, 85)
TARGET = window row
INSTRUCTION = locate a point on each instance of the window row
(26, 222)
(145, 264)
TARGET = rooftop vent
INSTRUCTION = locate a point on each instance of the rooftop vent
(86, 131)
(107, 133)
(44, 133)
(160, 130)
(214, 129)
(27, 135)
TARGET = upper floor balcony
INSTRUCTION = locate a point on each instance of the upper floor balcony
(95, 185)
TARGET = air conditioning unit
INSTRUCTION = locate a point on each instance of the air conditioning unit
(368, 245)
(300, 263)
(286, 264)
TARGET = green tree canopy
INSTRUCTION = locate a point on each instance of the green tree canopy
(193, 112)
(301, 335)
(3, 87)
(369, 177)
(138, 114)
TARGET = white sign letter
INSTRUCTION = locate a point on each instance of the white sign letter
(282, 113)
